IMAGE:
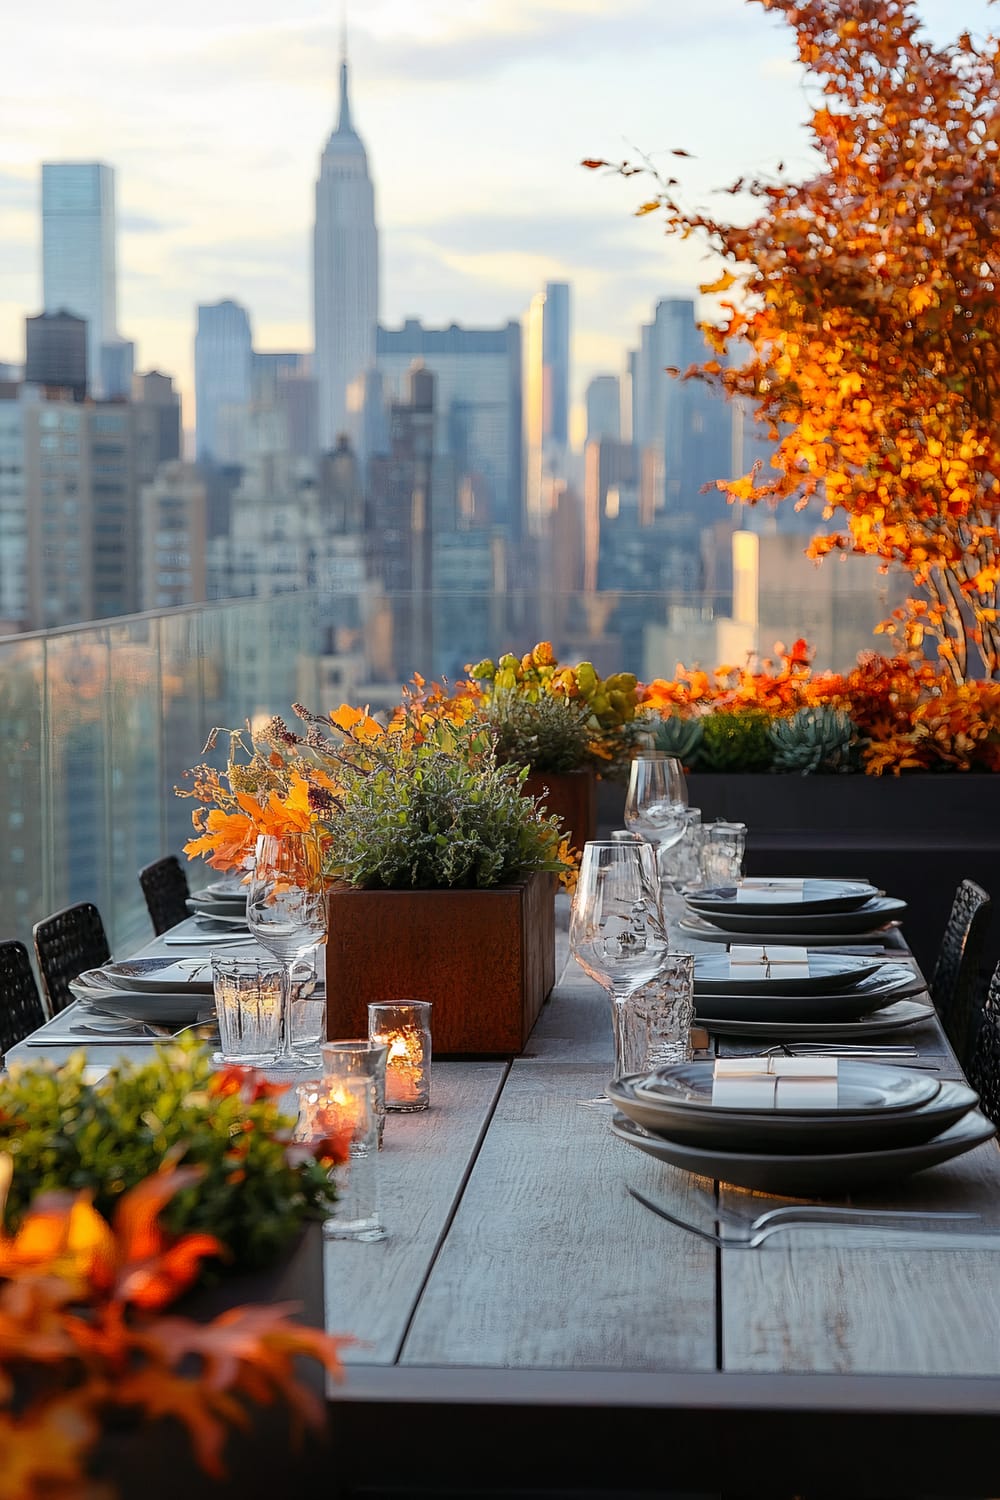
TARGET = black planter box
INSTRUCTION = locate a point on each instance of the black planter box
(914, 836)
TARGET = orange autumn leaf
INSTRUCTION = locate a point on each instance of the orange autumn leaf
(864, 327)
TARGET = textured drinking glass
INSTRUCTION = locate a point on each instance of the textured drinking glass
(308, 1009)
(616, 932)
(404, 1026)
(681, 864)
(722, 853)
(286, 912)
(656, 1019)
(357, 1057)
(248, 1008)
(656, 799)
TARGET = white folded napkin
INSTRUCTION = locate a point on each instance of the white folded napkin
(775, 1082)
(768, 962)
(757, 888)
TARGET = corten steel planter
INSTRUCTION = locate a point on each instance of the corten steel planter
(914, 836)
(570, 794)
(485, 959)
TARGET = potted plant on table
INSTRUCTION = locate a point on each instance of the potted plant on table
(566, 724)
(104, 1353)
(440, 872)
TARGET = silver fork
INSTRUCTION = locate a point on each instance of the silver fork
(776, 1219)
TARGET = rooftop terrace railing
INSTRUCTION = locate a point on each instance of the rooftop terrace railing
(100, 722)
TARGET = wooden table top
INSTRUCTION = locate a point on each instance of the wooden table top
(519, 1278)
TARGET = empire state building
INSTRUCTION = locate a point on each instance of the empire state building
(345, 272)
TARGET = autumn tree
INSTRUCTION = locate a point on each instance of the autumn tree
(861, 309)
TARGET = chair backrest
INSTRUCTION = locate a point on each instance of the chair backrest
(21, 1008)
(165, 887)
(956, 984)
(984, 1065)
(66, 943)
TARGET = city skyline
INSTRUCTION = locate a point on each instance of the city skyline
(475, 116)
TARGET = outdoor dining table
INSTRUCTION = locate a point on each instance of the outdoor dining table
(527, 1327)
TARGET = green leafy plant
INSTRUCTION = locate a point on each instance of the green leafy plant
(815, 739)
(681, 737)
(437, 809)
(255, 1190)
(737, 741)
(545, 734)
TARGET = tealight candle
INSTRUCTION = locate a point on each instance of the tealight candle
(404, 1026)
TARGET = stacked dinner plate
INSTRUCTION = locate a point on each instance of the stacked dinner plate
(224, 902)
(164, 991)
(860, 1124)
(810, 911)
(767, 991)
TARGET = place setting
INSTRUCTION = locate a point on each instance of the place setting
(794, 993)
(790, 909)
(797, 1126)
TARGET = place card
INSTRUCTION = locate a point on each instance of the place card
(777, 888)
(775, 1082)
(767, 961)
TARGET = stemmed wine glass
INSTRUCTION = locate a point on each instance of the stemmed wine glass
(656, 802)
(286, 912)
(616, 933)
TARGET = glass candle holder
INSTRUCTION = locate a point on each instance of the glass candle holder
(343, 1110)
(357, 1057)
(247, 1007)
(405, 1027)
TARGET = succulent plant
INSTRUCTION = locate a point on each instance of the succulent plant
(546, 734)
(680, 737)
(815, 739)
(738, 741)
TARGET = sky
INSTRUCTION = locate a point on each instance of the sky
(476, 115)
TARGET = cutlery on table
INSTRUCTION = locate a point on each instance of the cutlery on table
(749, 1236)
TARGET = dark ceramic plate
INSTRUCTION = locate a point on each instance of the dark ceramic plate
(796, 929)
(830, 973)
(815, 896)
(895, 1017)
(770, 1132)
(806, 1174)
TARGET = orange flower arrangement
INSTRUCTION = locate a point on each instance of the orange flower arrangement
(82, 1336)
(908, 715)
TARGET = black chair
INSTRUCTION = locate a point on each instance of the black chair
(21, 1008)
(984, 1067)
(956, 984)
(66, 943)
(165, 887)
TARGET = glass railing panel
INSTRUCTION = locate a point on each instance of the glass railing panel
(100, 723)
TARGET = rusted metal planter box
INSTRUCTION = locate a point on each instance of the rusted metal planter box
(484, 959)
(573, 796)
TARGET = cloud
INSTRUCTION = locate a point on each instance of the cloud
(135, 223)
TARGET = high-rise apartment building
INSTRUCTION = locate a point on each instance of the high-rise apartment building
(79, 272)
(345, 275)
(223, 363)
(603, 402)
(55, 345)
(547, 380)
(477, 410)
(13, 513)
(80, 494)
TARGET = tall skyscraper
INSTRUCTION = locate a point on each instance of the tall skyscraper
(603, 398)
(546, 396)
(223, 361)
(78, 251)
(345, 274)
(477, 407)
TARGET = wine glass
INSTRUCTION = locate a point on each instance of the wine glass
(286, 912)
(617, 933)
(656, 803)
